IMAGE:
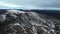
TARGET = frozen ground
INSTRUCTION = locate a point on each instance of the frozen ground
(28, 23)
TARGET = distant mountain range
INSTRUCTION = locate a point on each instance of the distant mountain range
(47, 12)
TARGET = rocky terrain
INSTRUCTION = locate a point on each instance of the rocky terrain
(28, 23)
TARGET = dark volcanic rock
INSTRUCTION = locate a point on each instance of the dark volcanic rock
(29, 23)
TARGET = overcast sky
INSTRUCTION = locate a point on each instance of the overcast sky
(30, 4)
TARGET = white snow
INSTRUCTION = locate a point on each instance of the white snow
(15, 11)
(2, 17)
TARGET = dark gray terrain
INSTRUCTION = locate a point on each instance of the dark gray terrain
(28, 23)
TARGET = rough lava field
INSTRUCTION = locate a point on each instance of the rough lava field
(19, 22)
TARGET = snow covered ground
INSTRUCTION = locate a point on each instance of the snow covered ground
(19, 22)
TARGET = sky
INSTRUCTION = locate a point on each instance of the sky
(30, 4)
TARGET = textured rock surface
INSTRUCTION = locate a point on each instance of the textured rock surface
(29, 23)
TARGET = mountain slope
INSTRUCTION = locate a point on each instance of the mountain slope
(29, 23)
